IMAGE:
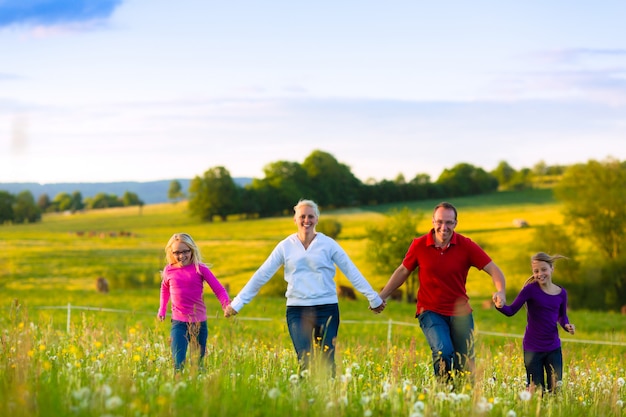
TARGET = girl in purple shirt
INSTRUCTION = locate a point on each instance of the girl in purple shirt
(183, 283)
(546, 305)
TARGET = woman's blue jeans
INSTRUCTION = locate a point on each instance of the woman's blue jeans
(314, 326)
(182, 334)
(542, 364)
(451, 340)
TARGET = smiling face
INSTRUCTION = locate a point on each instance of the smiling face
(181, 254)
(542, 272)
(306, 219)
(444, 222)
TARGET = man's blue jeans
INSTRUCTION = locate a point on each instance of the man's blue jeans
(182, 334)
(451, 340)
(542, 364)
(314, 325)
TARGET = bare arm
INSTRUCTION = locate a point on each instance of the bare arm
(499, 297)
(398, 278)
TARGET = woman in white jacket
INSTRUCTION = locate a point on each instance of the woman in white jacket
(309, 258)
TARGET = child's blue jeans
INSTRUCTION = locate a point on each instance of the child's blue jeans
(182, 334)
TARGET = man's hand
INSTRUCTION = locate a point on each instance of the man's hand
(380, 308)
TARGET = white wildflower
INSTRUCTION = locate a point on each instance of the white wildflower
(525, 395)
(106, 390)
(273, 393)
(620, 382)
(81, 393)
(113, 402)
(294, 378)
(511, 413)
(419, 406)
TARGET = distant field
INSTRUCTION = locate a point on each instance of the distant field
(125, 245)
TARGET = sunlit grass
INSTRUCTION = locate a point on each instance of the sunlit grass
(121, 366)
(66, 349)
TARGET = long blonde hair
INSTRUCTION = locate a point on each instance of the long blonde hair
(542, 257)
(196, 257)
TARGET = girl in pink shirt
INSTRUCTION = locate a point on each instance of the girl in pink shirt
(183, 283)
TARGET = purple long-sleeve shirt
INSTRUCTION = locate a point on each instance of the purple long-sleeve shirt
(184, 285)
(544, 311)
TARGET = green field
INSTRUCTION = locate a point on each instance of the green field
(68, 350)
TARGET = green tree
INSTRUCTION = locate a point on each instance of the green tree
(63, 202)
(77, 202)
(175, 192)
(25, 210)
(44, 202)
(214, 194)
(104, 200)
(504, 173)
(131, 199)
(287, 182)
(594, 201)
(388, 244)
(333, 183)
(465, 179)
(6, 207)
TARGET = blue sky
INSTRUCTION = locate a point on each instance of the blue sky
(141, 90)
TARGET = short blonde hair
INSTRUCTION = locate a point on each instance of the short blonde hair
(307, 203)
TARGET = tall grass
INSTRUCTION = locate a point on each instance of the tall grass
(113, 359)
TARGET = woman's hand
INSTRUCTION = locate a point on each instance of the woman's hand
(229, 311)
(380, 308)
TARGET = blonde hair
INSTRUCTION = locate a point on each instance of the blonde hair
(307, 203)
(196, 257)
(542, 257)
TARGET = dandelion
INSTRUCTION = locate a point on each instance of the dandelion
(620, 382)
(419, 406)
(525, 395)
(619, 403)
(273, 393)
(81, 393)
(113, 402)
(483, 405)
(367, 413)
(106, 390)
(294, 378)
(511, 413)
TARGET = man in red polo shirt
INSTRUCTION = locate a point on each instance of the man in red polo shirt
(443, 259)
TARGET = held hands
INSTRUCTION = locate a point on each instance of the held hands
(380, 308)
(229, 311)
(499, 299)
(570, 328)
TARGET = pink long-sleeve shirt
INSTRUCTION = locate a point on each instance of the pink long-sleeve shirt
(184, 287)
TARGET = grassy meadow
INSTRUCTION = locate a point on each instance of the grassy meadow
(107, 355)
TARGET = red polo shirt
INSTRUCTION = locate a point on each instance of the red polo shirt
(442, 273)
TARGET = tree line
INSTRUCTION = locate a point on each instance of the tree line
(332, 185)
(22, 208)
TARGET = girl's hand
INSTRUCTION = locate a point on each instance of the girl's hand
(497, 300)
(570, 328)
(229, 311)
(161, 318)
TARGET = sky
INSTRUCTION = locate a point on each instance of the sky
(143, 90)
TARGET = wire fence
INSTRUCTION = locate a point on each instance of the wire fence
(390, 324)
